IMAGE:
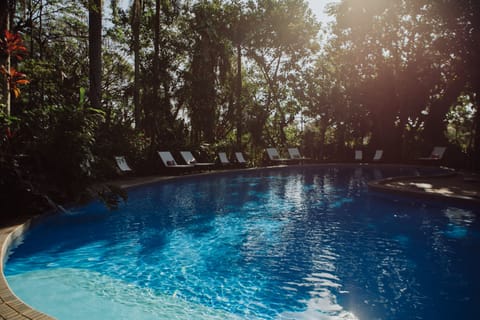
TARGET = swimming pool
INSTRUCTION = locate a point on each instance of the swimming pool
(287, 243)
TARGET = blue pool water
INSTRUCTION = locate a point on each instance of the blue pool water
(289, 243)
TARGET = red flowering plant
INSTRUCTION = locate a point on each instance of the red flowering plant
(11, 47)
(14, 79)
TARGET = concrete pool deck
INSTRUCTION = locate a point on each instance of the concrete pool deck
(455, 186)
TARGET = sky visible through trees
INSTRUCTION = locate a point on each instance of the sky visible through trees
(318, 8)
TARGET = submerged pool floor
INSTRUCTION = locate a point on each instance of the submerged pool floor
(290, 243)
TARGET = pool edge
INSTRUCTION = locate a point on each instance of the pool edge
(11, 307)
(382, 185)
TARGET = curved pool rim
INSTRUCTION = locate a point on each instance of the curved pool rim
(12, 306)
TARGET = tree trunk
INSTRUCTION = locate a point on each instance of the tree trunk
(9, 65)
(239, 97)
(4, 9)
(137, 7)
(7, 9)
(156, 50)
(95, 52)
(476, 138)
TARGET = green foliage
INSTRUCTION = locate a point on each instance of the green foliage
(460, 126)
(226, 75)
(119, 139)
(6, 134)
(60, 139)
(399, 67)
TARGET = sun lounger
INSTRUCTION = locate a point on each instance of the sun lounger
(122, 164)
(295, 154)
(275, 157)
(222, 157)
(240, 159)
(190, 159)
(436, 155)
(169, 161)
(378, 155)
(358, 155)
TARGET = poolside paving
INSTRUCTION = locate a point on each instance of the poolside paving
(11, 307)
(456, 186)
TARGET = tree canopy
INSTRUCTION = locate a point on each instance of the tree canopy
(225, 75)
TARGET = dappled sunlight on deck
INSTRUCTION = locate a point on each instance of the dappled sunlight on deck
(454, 186)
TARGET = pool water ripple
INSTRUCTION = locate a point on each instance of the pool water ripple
(296, 243)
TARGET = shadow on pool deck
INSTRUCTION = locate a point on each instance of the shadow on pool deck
(454, 186)
(458, 186)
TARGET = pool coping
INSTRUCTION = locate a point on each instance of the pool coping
(12, 307)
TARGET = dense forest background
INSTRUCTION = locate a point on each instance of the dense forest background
(83, 81)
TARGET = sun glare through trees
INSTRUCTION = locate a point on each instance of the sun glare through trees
(134, 77)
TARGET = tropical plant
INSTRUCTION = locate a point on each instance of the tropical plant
(12, 50)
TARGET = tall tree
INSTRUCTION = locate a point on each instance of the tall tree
(240, 30)
(209, 66)
(461, 20)
(7, 10)
(95, 52)
(7, 14)
(400, 54)
(284, 43)
(137, 9)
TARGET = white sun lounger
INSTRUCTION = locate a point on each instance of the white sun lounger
(122, 164)
(295, 154)
(358, 155)
(437, 154)
(274, 156)
(222, 156)
(169, 161)
(190, 159)
(240, 159)
(378, 155)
